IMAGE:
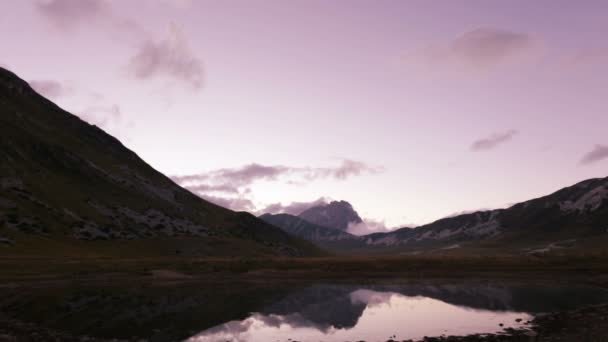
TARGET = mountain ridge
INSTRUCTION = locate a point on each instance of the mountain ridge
(62, 178)
(335, 214)
(325, 237)
(555, 222)
(577, 210)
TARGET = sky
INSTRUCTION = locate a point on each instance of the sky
(409, 110)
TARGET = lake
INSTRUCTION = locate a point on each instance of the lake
(370, 311)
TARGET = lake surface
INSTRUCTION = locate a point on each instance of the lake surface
(197, 312)
(379, 313)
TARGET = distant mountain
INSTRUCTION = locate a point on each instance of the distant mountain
(304, 229)
(325, 237)
(63, 182)
(573, 216)
(336, 214)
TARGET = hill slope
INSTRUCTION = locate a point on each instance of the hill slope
(565, 219)
(63, 182)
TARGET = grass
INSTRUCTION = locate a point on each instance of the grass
(16, 268)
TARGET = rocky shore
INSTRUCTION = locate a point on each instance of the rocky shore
(588, 324)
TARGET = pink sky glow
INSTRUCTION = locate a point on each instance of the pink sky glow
(409, 110)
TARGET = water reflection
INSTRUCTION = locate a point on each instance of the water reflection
(377, 313)
(277, 312)
(372, 316)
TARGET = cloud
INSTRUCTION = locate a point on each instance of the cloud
(471, 211)
(171, 57)
(65, 13)
(293, 208)
(248, 174)
(346, 169)
(101, 116)
(228, 185)
(585, 57)
(204, 188)
(480, 49)
(233, 203)
(70, 14)
(236, 177)
(110, 118)
(49, 88)
(367, 226)
(487, 47)
(599, 152)
(99, 112)
(493, 140)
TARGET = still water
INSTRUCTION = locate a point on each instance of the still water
(329, 312)
(379, 313)
(365, 315)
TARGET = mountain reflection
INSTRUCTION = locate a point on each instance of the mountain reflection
(375, 316)
(271, 312)
(350, 312)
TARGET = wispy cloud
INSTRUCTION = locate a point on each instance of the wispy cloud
(108, 117)
(248, 174)
(493, 141)
(598, 153)
(68, 15)
(234, 203)
(347, 168)
(293, 208)
(236, 177)
(231, 184)
(49, 88)
(170, 57)
(101, 116)
(585, 57)
(479, 49)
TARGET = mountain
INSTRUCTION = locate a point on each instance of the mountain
(576, 216)
(336, 214)
(65, 184)
(325, 237)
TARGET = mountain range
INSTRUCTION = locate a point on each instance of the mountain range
(326, 237)
(65, 183)
(572, 217)
(67, 187)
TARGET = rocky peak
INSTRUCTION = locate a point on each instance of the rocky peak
(336, 214)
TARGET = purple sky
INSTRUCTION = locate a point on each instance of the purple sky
(410, 110)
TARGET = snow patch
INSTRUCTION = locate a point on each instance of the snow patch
(451, 247)
(589, 202)
(489, 228)
(389, 240)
